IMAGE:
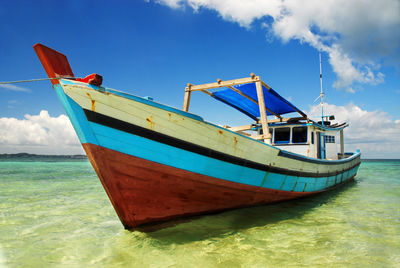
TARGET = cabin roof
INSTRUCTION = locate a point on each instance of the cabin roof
(254, 98)
(249, 95)
(275, 103)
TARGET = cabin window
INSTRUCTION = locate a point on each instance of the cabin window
(282, 135)
(299, 135)
(329, 139)
(312, 137)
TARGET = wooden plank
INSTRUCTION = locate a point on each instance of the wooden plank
(242, 94)
(227, 83)
(257, 137)
(263, 113)
(265, 85)
(277, 120)
(241, 128)
(299, 111)
(341, 144)
(186, 100)
(207, 92)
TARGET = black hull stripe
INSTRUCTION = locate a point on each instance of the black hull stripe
(194, 148)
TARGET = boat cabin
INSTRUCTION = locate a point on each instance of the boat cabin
(299, 135)
(308, 139)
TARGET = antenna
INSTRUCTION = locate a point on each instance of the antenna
(322, 92)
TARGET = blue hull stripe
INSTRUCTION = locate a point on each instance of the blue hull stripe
(76, 116)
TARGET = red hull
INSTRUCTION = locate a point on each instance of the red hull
(145, 192)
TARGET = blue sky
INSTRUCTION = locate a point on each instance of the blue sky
(154, 48)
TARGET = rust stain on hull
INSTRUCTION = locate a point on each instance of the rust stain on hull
(235, 140)
(150, 122)
(92, 101)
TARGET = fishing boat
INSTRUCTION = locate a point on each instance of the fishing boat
(158, 163)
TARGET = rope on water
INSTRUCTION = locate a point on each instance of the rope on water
(34, 80)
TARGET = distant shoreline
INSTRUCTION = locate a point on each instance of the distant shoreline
(44, 156)
(82, 156)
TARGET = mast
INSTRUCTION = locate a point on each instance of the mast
(322, 92)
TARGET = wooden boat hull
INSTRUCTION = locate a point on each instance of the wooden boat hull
(152, 172)
(144, 192)
(158, 163)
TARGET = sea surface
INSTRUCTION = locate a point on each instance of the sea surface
(56, 214)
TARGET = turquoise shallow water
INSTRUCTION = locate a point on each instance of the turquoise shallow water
(56, 214)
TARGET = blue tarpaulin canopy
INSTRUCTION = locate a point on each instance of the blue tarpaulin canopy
(273, 101)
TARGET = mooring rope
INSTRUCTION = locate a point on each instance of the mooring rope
(34, 80)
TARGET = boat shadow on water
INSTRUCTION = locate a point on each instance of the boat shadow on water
(230, 222)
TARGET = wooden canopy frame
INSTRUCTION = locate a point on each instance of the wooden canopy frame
(266, 136)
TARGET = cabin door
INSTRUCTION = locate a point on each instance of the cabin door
(321, 145)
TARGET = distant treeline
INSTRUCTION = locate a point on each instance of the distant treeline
(26, 155)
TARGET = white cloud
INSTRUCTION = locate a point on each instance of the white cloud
(372, 132)
(355, 34)
(15, 88)
(40, 134)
